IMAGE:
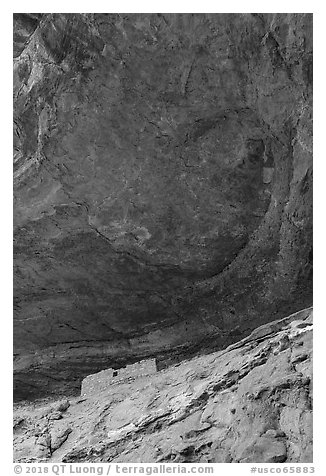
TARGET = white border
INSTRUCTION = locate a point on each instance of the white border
(319, 187)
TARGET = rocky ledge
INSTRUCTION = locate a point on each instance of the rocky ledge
(249, 403)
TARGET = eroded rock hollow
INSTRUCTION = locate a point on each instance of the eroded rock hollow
(162, 184)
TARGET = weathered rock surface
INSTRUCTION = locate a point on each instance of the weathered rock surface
(163, 186)
(249, 403)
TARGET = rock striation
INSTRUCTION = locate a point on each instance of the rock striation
(162, 186)
(251, 402)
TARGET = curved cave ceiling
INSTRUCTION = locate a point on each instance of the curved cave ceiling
(162, 186)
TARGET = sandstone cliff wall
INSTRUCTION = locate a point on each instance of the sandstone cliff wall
(145, 221)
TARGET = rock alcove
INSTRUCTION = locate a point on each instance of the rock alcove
(162, 185)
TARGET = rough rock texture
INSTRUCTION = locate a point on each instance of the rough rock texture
(163, 186)
(249, 403)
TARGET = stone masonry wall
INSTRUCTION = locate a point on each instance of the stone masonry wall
(99, 381)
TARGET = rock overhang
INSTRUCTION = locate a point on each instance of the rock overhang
(146, 215)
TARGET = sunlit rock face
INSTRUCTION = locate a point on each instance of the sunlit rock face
(162, 184)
